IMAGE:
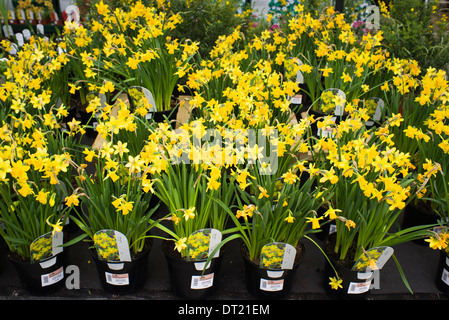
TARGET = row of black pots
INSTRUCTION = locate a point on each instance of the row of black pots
(127, 277)
(189, 280)
(194, 280)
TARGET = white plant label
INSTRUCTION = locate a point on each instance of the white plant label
(271, 285)
(208, 238)
(117, 279)
(444, 277)
(202, 282)
(378, 255)
(274, 252)
(53, 277)
(107, 239)
(296, 99)
(359, 287)
(46, 246)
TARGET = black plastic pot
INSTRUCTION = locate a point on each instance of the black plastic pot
(188, 279)
(41, 277)
(442, 277)
(161, 116)
(268, 284)
(355, 284)
(123, 277)
(3, 254)
(415, 216)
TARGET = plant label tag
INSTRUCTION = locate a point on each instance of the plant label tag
(359, 287)
(379, 108)
(299, 77)
(19, 39)
(112, 246)
(445, 276)
(296, 99)
(8, 32)
(52, 277)
(26, 34)
(149, 96)
(339, 109)
(117, 279)
(141, 95)
(73, 13)
(386, 254)
(369, 123)
(327, 132)
(30, 14)
(201, 243)
(46, 246)
(56, 243)
(373, 259)
(40, 29)
(277, 256)
(22, 16)
(202, 282)
(271, 285)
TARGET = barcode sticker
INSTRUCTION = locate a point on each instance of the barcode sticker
(202, 282)
(117, 279)
(271, 285)
(444, 277)
(359, 287)
(53, 277)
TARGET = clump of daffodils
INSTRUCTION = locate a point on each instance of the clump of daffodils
(36, 158)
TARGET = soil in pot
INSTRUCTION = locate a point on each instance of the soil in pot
(355, 284)
(123, 277)
(270, 284)
(189, 280)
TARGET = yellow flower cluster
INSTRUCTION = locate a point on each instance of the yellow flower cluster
(122, 205)
(272, 256)
(41, 248)
(106, 246)
(29, 159)
(368, 260)
(247, 212)
(198, 246)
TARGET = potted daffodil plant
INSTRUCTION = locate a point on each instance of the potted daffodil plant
(115, 213)
(374, 182)
(186, 177)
